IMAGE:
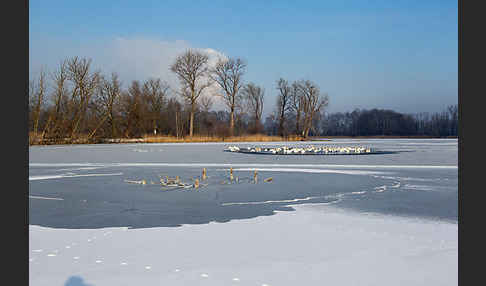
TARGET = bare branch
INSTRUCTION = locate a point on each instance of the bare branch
(191, 68)
(228, 75)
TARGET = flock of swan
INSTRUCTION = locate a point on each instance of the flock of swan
(285, 150)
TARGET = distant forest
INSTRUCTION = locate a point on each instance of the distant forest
(379, 122)
(74, 101)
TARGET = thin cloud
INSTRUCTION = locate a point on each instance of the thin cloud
(133, 58)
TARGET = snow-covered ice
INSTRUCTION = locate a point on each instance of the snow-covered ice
(321, 245)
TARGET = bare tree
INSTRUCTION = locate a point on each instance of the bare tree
(108, 93)
(283, 104)
(228, 75)
(156, 93)
(32, 93)
(59, 98)
(38, 92)
(174, 111)
(191, 68)
(84, 85)
(253, 95)
(206, 103)
(297, 102)
(454, 119)
(132, 110)
(313, 102)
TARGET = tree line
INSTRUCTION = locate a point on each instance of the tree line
(374, 122)
(75, 101)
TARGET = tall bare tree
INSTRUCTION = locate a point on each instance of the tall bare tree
(59, 98)
(38, 98)
(253, 95)
(283, 104)
(132, 110)
(297, 102)
(108, 93)
(313, 102)
(84, 85)
(228, 75)
(32, 92)
(192, 69)
(156, 93)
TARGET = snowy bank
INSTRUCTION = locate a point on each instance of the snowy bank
(314, 245)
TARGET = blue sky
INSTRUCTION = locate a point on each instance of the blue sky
(400, 55)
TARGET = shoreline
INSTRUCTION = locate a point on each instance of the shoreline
(166, 139)
(198, 139)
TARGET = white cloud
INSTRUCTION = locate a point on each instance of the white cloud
(133, 58)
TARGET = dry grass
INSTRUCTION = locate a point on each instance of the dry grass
(243, 138)
(35, 139)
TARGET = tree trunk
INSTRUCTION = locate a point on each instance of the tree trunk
(297, 123)
(98, 126)
(191, 124)
(46, 128)
(177, 124)
(232, 121)
(281, 122)
(113, 127)
(257, 127)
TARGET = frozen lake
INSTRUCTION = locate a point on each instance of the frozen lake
(88, 189)
(406, 199)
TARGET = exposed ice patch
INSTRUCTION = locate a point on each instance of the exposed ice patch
(418, 187)
(380, 189)
(45, 198)
(269, 202)
(46, 177)
(79, 169)
(358, 193)
(397, 185)
(411, 178)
